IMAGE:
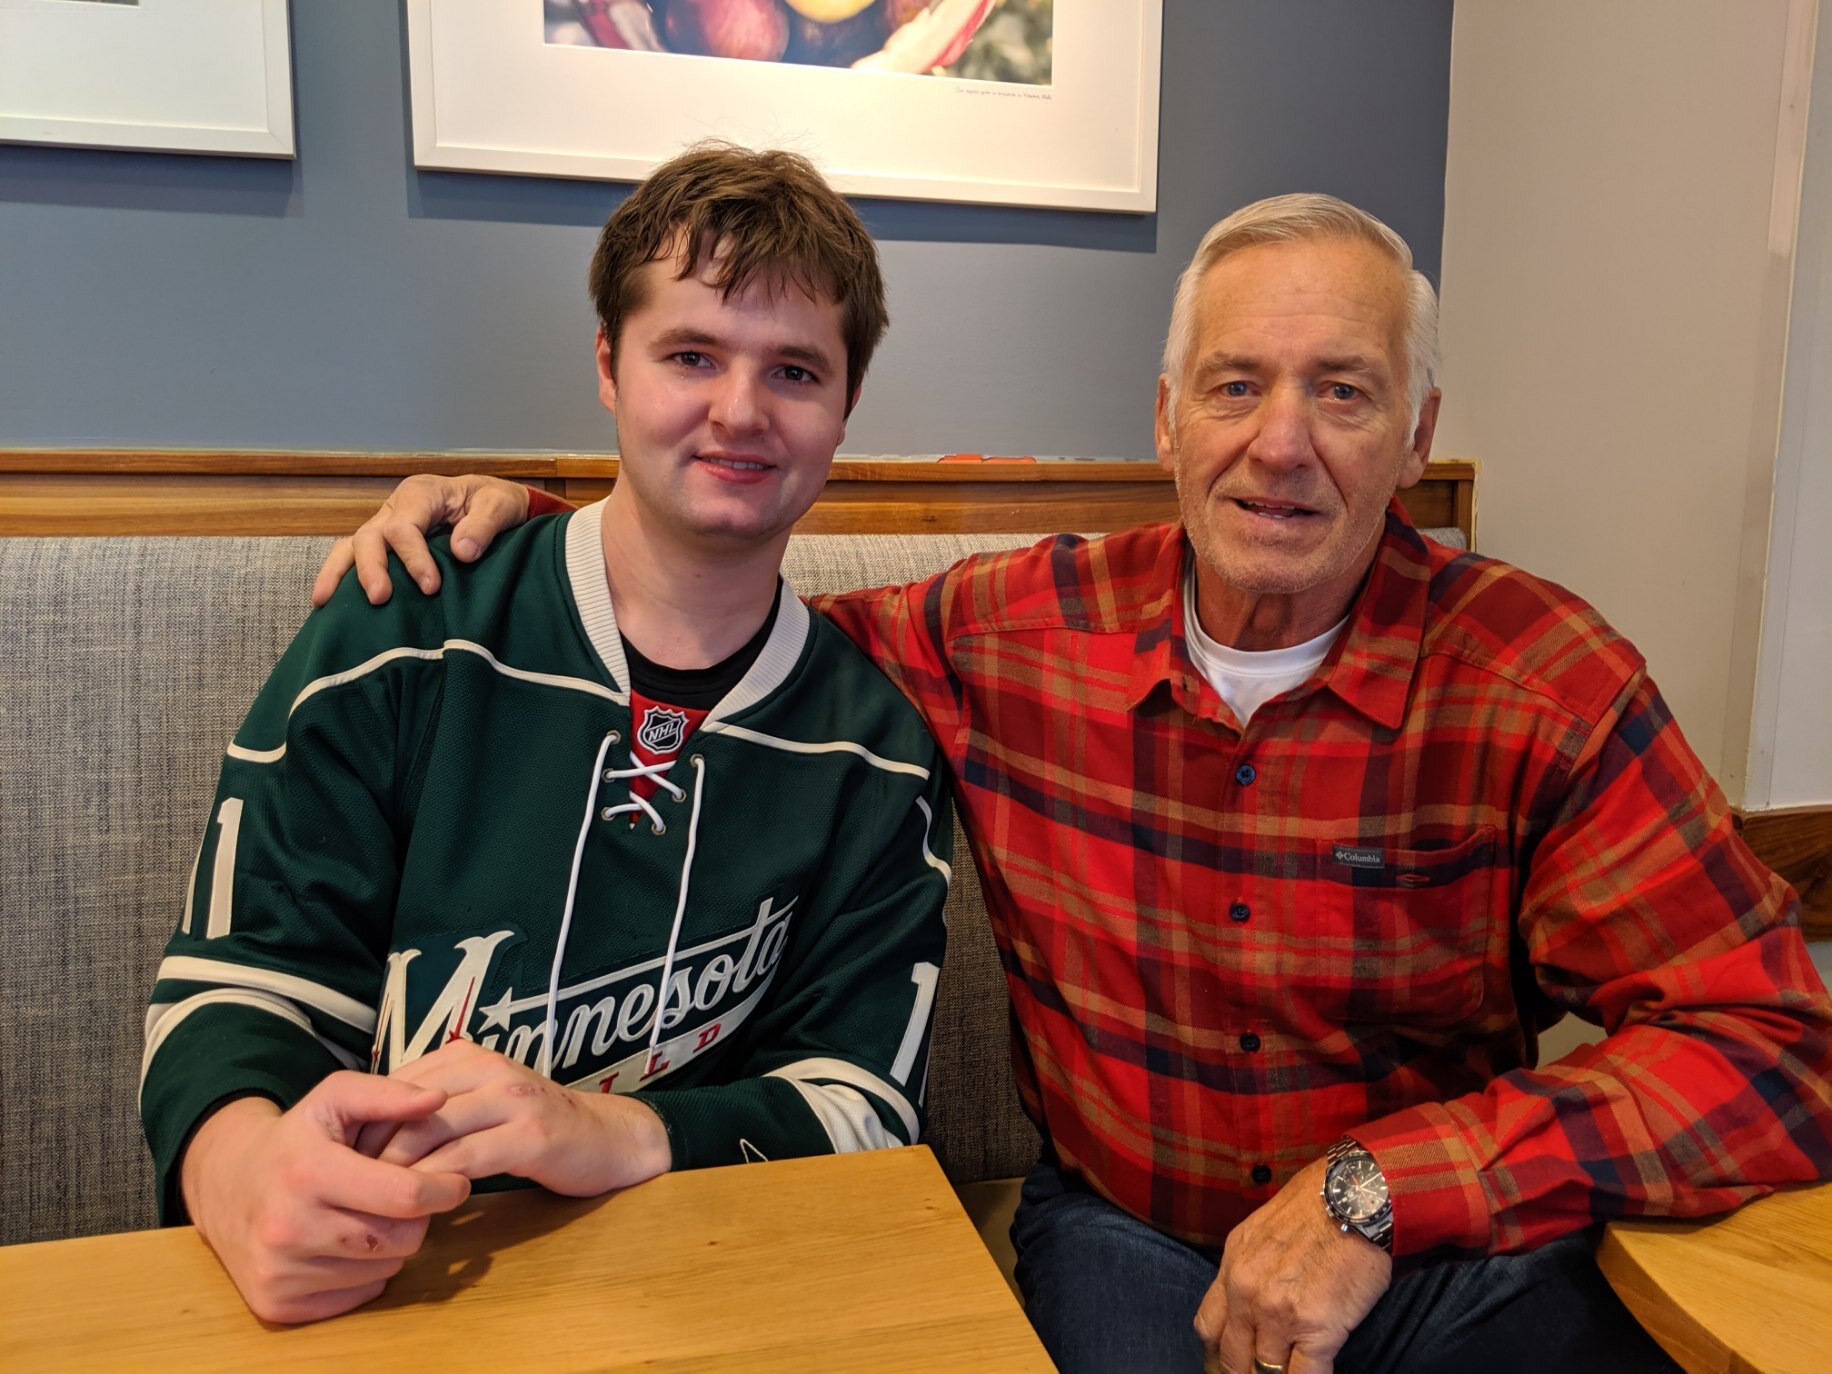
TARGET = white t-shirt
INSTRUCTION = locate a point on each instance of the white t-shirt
(1247, 680)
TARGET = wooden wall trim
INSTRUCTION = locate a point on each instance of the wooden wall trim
(262, 463)
(115, 491)
(1797, 844)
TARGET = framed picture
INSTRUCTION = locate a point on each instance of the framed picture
(174, 76)
(1007, 102)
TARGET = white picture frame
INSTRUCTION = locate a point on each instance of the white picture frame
(173, 76)
(489, 94)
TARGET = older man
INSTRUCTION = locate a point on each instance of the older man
(1298, 830)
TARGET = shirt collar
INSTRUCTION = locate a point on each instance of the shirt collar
(1373, 666)
(1370, 667)
(1161, 653)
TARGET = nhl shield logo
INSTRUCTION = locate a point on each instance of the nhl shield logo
(662, 729)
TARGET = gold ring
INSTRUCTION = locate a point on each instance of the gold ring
(1266, 1366)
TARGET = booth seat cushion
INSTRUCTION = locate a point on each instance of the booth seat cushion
(127, 664)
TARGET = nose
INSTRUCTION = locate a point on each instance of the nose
(1283, 437)
(738, 402)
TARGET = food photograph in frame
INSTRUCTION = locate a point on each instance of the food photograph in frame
(174, 76)
(1006, 102)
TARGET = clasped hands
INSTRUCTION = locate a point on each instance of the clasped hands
(313, 1210)
(1291, 1287)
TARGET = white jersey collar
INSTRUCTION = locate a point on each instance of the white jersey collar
(591, 592)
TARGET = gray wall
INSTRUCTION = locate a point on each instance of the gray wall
(345, 301)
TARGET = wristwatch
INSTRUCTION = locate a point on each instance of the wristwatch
(1355, 1193)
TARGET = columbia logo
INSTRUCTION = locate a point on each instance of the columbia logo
(1357, 858)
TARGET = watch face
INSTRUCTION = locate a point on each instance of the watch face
(1355, 1188)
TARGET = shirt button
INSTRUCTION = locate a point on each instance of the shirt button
(1249, 1042)
(1245, 774)
(1262, 1173)
(1240, 911)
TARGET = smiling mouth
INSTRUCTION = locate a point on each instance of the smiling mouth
(735, 464)
(1272, 510)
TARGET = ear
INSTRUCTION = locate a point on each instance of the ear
(607, 384)
(1163, 427)
(1412, 466)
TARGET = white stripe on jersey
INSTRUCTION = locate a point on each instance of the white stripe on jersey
(184, 968)
(794, 746)
(849, 1120)
(928, 855)
(222, 869)
(164, 1018)
(235, 751)
(571, 684)
(815, 1071)
(190, 887)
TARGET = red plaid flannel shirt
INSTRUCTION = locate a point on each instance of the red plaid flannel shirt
(1228, 948)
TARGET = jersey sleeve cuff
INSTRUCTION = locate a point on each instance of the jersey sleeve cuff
(212, 1059)
(745, 1122)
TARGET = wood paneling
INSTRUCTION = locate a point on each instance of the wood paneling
(1797, 844)
(113, 503)
(225, 462)
(849, 506)
(118, 492)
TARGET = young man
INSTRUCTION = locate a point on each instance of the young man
(613, 859)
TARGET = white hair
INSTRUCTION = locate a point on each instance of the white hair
(1292, 219)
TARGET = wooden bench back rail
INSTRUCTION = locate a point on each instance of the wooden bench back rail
(61, 492)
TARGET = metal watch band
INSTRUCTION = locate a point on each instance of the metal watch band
(1379, 1227)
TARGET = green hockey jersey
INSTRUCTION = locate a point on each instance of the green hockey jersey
(428, 828)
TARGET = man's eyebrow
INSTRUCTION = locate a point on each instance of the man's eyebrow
(1352, 362)
(805, 353)
(1243, 362)
(683, 337)
(1228, 362)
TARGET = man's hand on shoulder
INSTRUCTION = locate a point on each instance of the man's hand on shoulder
(1292, 1285)
(477, 509)
(501, 1117)
(307, 1227)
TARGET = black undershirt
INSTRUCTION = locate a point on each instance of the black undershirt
(701, 689)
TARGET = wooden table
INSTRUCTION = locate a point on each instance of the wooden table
(856, 1262)
(1746, 1293)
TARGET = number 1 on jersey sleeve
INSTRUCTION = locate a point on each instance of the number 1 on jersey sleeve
(924, 976)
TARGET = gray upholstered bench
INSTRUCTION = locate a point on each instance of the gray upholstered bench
(125, 665)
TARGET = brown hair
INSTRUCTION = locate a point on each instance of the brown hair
(762, 214)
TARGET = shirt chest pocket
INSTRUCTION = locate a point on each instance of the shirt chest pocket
(1395, 936)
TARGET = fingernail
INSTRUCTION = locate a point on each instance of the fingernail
(467, 548)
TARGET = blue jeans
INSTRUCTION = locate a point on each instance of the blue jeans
(1106, 1292)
